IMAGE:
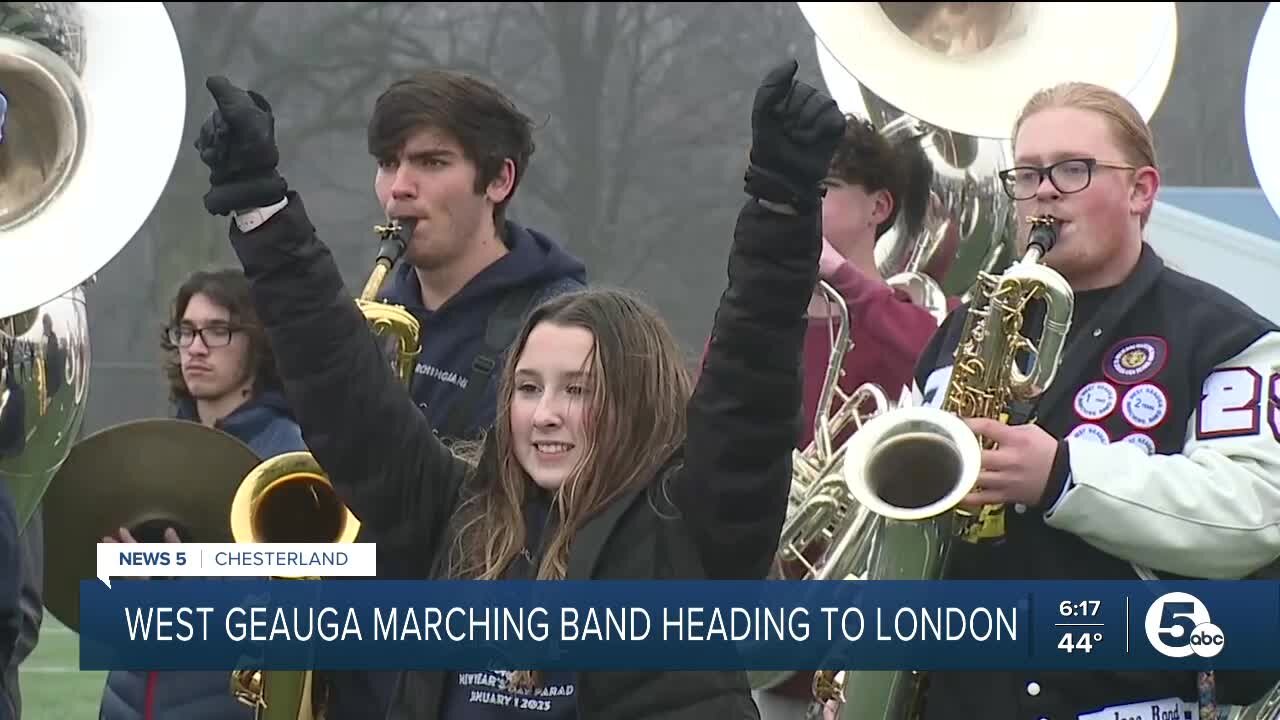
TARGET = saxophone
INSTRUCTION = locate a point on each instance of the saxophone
(910, 467)
(985, 378)
(291, 491)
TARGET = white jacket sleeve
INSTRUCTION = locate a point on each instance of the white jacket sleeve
(1212, 511)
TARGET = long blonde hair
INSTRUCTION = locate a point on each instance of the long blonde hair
(635, 423)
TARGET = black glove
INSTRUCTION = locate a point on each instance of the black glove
(238, 144)
(795, 129)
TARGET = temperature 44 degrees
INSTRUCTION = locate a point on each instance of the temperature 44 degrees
(1082, 642)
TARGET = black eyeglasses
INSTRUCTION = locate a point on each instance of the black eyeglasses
(1068, 176)
(212, 336)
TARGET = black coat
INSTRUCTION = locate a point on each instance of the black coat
(716, 514)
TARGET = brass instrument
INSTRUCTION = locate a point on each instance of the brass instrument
(288, 498)
(1261, 108)
(914, 70)
(85, 501)
(820, 511)
(909, 469)
(68, 123)
(396, 328)
(1261, 113)
(986, 379)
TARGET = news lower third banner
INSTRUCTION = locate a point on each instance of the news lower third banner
(230, 608)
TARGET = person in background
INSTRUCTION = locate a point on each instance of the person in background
(222, 374)
(607, 461)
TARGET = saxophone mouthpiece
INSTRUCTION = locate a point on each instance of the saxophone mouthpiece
(395, 238)
(1044, 233)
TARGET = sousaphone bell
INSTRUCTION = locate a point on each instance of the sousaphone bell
(85, 152)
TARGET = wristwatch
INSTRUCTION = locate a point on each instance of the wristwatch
(247, 220)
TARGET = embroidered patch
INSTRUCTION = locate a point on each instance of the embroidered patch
(1135, 360)
(1096, 400)
(1090, 432)
(1142, 440)
(1144, 406)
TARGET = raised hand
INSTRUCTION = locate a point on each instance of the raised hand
(237, 143)
(795, 129)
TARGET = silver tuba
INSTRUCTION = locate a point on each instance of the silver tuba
(86, 148)
(1261, 115)
(946, 81)
(1262, 107)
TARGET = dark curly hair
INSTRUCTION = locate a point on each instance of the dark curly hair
(230, 289)
(865, 158)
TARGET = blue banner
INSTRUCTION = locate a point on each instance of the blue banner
(191, 624)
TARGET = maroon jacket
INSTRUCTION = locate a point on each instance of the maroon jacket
(888, 333)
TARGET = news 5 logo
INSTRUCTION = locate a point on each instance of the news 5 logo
(1178, 625)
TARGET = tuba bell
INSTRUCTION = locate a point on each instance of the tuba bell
(916, 71)
(1262, 108)
(69, 128)
(289, 498)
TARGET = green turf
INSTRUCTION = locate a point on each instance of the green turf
(52, 686)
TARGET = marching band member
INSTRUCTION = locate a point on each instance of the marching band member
(222, 374)
(604, 463)
(451, 152)
(864, 194)
(865, 189)
(1158, 444)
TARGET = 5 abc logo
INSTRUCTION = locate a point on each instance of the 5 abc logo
(1178, 626)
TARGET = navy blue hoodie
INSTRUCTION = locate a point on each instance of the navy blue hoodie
(264, 423)
(453, 334)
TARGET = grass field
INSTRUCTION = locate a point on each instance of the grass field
(52, 686)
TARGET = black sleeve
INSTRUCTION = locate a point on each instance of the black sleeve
(357, 419)
(745, 412)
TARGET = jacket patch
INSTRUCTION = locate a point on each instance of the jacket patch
(1134, 360)
(1090, 433)
(1096, 400)
(1144, 406)
(1231, 403)
(1142, 440)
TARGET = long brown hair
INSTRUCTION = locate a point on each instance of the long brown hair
(640, 387)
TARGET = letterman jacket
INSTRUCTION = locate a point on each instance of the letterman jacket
(1167, 407)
